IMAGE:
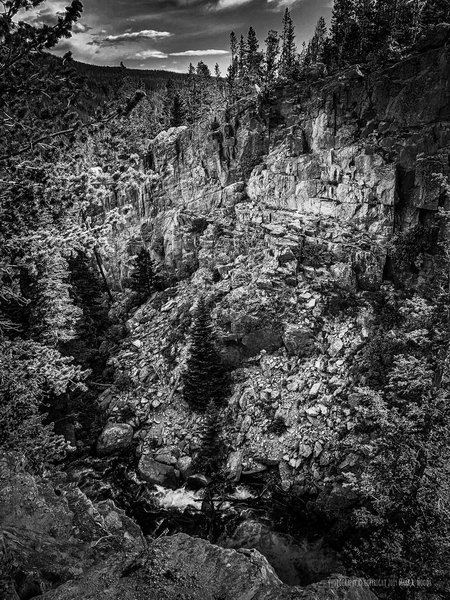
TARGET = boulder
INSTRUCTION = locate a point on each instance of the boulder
(296, 563)
(267, 338)
(114, 437)
(184, 465)
(234, 465)
(198, 481)
(53, 535)
(156, 472)
(180, 566)
(298, 341)
(434, 38)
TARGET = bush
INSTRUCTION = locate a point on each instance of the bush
(199, 226)
(278, 426)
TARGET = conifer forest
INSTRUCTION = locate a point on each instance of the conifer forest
(225, 300)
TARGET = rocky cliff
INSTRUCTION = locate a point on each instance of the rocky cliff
(279, 214)
(282, 213)
(58, 544)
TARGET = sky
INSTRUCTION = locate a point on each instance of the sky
(169, 34)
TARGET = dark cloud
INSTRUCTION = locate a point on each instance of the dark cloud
(170, 33)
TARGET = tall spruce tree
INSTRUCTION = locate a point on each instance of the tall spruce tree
(177, 115)
(271, 58)
(344, 31)
(288, 57)
(242, 57)
(211, 451)
(254, 56)
(89, 294)
(144, 280)
(314, 52)
(234, 66)
(204, 379)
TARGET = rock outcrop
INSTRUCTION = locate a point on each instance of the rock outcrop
(51, 534)
(281, 216)
(115, 437)
(180, 566)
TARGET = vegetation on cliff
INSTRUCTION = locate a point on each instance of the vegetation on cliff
(69, 279)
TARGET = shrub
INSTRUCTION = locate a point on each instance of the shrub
(278, 426)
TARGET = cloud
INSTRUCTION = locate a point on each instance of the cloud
(150, 34)
(224, 4)
(283, 3)
(80, 28)
(144, 54)
(209, 52)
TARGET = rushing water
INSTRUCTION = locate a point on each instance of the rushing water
(250, 515)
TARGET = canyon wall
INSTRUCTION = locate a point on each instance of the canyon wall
(277, 213)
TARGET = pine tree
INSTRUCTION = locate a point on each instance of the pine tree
(168, 102)
(211, 451)
(288, 58)
(35, 94)
(203, 70)
(144, 280)
(271, 58)
(193, 96)
(53, 317)
(89, 294)
(405, 28)
(217, 73)
(383, 18)
(242, 57)
(233, 69)
(177, 113)
(344, 31)
(204, 378)
(314, 52)
(253, 55)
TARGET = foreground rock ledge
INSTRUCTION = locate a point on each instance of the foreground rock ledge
(182, 567)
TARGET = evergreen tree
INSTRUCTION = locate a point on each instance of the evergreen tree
(177, 113)
(314, 52)
(233, 69)
(211, 452)
(271, 58)
(204, 377)
(242, 56)
(253, 55)
(233, 45)
(34, 110)
(344, 31)
(193, 96)
(405, 28)
(366, 26)
(88, 292)
(288, 59)
(203, 70)
(144, 280)
(217, 71)
(383, 18)
(53, 316)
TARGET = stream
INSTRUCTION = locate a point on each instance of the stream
(252, 514)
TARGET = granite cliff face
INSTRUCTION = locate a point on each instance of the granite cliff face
(281, 212)
(268, 213)
(336, 167)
